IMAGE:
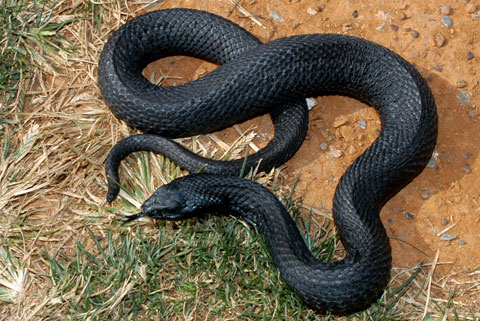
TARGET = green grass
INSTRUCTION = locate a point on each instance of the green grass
(27, 38)
(211, 267)
(30, 38)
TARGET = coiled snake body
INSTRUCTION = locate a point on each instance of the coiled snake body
(272, 78)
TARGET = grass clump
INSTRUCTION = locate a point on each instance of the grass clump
(31, 39)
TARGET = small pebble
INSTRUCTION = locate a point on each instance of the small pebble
(311, 103)
(447, 237)
(264, 135)
(312, 11)
(433, 160)
(432, 163)
(323, 146)
(439, 40)
(461, 83)
(470, 55)
(461, 242)
(355, 14)
(335, 152)
(464, 98)
(382, 26)
(426, 195)
(446, 10)
(362, 124)
(352, 150)
(415, 34)
(444, 222)
(472, 113)
(476, 14)
(409, 216)
(466, 168)
(471, 8)
(437, 68)
(446, 21)
(276, 16)
(467, 155)
(394, 27)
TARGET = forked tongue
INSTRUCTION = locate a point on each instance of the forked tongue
(129, 218)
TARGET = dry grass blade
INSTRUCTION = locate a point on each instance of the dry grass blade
(13, 277)
(247, 14)
(430, 276)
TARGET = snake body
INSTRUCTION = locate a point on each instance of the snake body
(274, 78)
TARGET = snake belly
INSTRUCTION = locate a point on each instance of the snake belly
(254, 79)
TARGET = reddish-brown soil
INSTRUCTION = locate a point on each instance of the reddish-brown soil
(445, 198)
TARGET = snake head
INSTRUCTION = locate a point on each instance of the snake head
(174, 201)
(167, 203)
(181, 199)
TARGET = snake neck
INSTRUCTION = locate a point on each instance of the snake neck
(316, 282)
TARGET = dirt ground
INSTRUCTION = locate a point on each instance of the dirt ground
(440, 210)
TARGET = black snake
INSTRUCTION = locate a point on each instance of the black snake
(274, 78)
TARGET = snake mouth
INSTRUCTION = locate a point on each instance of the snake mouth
(165, 215)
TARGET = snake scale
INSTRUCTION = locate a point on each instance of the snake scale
(274, 78)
